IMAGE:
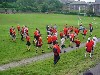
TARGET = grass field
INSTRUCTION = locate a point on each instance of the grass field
(72, 63)
(10, 51)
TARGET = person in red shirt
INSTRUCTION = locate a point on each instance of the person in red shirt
(11, 31)
(77, 41)
(72, 36)
(36, 36)
(65, 31)
(56, 50)
(84, 33)
(18, 28)
(14, 34)
(61, 34)
(76, 30)
(49, 40)
(39, 43)
(54, 39)
(89, 48)
(28, 42)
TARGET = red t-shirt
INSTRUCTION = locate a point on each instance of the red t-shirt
(54, 38)
(89, 46)
(11, 30)
(76, 31)
(72, 35)
(85, 31)
(61, 34)
(65, 31)
(57, 47)
(77, 42)
(49, 39)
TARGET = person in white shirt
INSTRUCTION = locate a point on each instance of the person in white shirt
(95, 40)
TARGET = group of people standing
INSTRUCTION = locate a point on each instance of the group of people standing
(68, 33)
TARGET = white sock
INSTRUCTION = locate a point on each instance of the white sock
(90, 55)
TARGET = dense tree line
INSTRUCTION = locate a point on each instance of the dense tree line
(32, 5)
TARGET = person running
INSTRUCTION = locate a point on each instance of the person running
(39, 43)
(56, 51)
(77, 41)
(18, 28)
(88, 48)
(28, 42)
(49, 40)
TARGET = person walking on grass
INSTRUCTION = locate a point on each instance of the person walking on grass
(11, 32)
(77, 41)
(84, 33)
(28, 42)
(95, 40)
(71, 36)
(49, 40)
(91, 29)
(56, 51)
(88, 48)
(14, 35)
(39, 44)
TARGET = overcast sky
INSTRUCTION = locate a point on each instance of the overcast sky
(88, 0)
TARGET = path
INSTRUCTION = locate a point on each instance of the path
(33, 59)
(92, 71)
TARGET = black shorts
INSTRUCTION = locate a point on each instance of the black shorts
(72, 40)
(10, 33)
(14, 36)
(54, 42)
(77, 45)
(37, 45)
(84, 34)
(49, 42)
(28, 43)
(18, 29)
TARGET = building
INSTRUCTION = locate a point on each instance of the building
(78, 6)
(96, 8)
(97, 0)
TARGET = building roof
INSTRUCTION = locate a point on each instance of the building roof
(79, 2)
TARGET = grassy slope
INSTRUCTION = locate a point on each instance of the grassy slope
(10, 51)
(71, 63)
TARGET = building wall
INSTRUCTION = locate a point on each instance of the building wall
(97, 0)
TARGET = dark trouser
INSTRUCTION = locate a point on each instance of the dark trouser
(56, 58)
(21, 37)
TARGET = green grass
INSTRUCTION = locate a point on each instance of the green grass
(10, 51)
(72, 63)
